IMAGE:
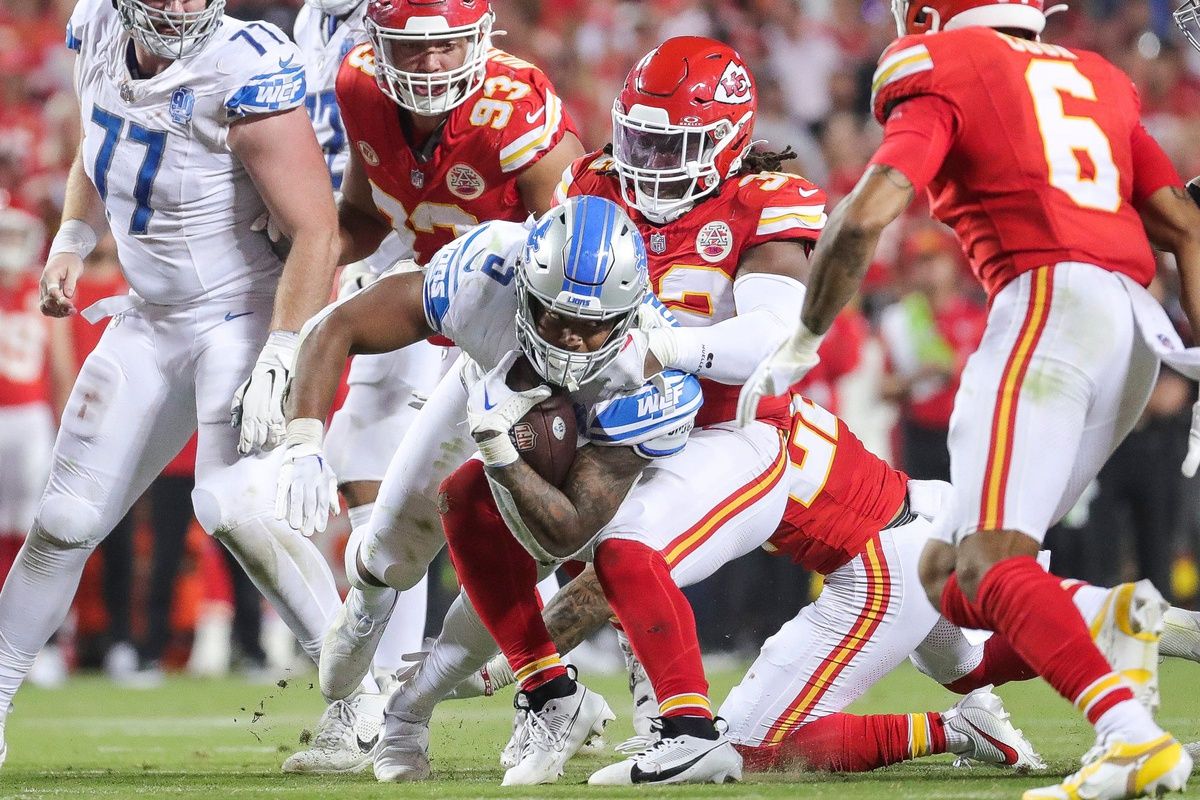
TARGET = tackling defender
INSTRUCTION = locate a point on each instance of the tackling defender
(428, 130)
(1057, 219)
(170, 90)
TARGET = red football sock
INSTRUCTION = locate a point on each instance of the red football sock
(499, 576)
(1000, 665)
(659, 623)
(1027, 605)
(10, 545)
(850, 743)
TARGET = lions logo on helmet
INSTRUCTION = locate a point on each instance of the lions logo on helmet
(583, 259)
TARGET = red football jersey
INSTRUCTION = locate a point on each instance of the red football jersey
(470, 176)
(694, 259)
(1040, 150)
(24, 335)
(840, 494)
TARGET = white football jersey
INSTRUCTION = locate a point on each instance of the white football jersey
(324, 41)
(178, 201)
(470, 297)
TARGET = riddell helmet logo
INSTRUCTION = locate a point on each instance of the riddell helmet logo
(464, 182)
(714, 242)
(734, 86)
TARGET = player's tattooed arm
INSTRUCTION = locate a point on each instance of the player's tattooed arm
(387, 315)
(576, 611)
(848, 242)
(562, 521)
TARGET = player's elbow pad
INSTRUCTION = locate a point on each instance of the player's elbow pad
(768, 307)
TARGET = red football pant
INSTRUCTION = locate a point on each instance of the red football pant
(850, 743)
(498, 575)
(1028, 606)
(658, 621)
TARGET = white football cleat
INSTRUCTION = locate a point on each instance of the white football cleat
(1181, 634)
(991, 737)
(645, 704)
(674, 758)
(1118, 771)
(345, 739)
(350, 644)
(551, 735)
(402, 755)
(1127, 631)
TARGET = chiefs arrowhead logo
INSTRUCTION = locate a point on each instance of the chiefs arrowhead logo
(734, 86)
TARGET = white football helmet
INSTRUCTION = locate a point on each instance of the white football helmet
(170, 34)
(583, 259)
(424, 23)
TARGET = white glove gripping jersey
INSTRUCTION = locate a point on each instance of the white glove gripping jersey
(324, 41)
(178, 201)
(470, 297)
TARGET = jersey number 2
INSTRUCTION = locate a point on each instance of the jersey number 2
(1067, 138)
(155, 143)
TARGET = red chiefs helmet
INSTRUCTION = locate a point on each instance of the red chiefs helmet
(682, 124)
(931, 16)
(400, 28)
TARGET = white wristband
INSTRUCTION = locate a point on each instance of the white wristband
(305, 430)
(498, 451)
(74, 236)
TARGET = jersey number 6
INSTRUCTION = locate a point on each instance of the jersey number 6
(1065, 136)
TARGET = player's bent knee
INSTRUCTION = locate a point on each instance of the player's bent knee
(70, 523)
(982, 550)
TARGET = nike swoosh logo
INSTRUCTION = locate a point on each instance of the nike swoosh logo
(229, 316)
(637, 775)
(366, 745)
(1011, 756)
(488, 405)
(807, 192)
(535, 116)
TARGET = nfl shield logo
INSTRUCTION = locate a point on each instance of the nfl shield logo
(183, 101)
(658, 243)
(417, 177)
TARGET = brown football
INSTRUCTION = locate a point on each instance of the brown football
(545, 437)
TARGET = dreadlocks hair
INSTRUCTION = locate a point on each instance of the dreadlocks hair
(753, 162)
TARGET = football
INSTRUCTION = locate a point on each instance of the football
(545, 437)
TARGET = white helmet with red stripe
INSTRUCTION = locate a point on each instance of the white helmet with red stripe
(931, 16)
(412, 26)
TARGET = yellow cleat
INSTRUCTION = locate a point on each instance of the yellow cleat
(1127, 631)
(1123, 771)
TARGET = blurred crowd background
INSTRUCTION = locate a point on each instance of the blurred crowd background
(162, 595)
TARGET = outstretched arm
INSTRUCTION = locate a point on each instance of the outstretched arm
(386, 316)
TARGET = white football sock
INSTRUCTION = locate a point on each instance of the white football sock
(463, 647)
(34, 602)
(405, 632)
(290, 572)
(1128, 721)
(1089, 600)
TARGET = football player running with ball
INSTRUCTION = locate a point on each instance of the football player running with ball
(428, 130)
(193, 126)
(576, 337)
(1036, 156)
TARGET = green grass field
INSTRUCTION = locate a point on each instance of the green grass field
(204, 739)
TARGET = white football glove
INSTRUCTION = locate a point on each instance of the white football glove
(258, 403)
(483, 682)
(306, 492)
(790, 362)
(263, 223)
(355, 276)
(1192, 461)
(493, 408)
